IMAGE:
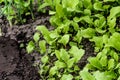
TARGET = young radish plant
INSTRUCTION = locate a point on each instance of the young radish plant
(61, 48)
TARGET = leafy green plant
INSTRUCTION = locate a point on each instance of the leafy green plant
(65, 59)
(61, 48)
(15, 9)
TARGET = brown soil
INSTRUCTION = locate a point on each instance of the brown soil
(14, 63)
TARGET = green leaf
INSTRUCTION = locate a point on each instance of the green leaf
(98, 41)
(76, 53)
(118, 78)
(76, 68)
(70, 62)
(43, 6)
(42, 29)
(78, 37)
(60, 64)
(101, 31)
(70, 5)
(104, 75)
(66, 77)
(85, 75)
(44, 59)
(111, 64)
(95, 62)
(66, 26)
(101, 22)
(64, 40)
(53, 71)
(59, 10)
(64, 55)
(113, 12)
(88, 33)
(1, 1)
(112, 23)
(44, 32)
(103, 61)
(114, 41)
(98, 6)
(87, 4)
(42, 45)
(54, 35)
(111, 75)
(26, 4)
(87, 19)
(55, 2)
(52, 12)
(30, 47)
(36, 37)
(57, 53)
(87, 12)
(117, 66)
(51, 79)
(75, 25)
(114, 55)
(105, 39)
(72, 43)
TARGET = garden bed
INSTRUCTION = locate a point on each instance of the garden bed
(23, 68)
(60, 40)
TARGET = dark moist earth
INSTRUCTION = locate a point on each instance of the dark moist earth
(15, 63)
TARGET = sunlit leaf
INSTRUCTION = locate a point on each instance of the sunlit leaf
(70, 4)
(60, 64)
(76, 53)
(104, 75)
(98, 6)
(30, 47)
(70, 62)
(67, 77)
(86, 75)
(114, 41)
(87, 19)
(44, 59)
(64, 55)
(87, 12)
(103, 61)
(54, 35)
(112, 22)
(42, 45)
(36, 37)
(57, 53)
(59, 10)
(113, 12)
(88, 33)
(114, 55)
(45, 32)
(53, 71)
(98, 41)
(111, 64)
(64, 40)
(78, 36)
(75, 25)
(87, 4)
(95, 62)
